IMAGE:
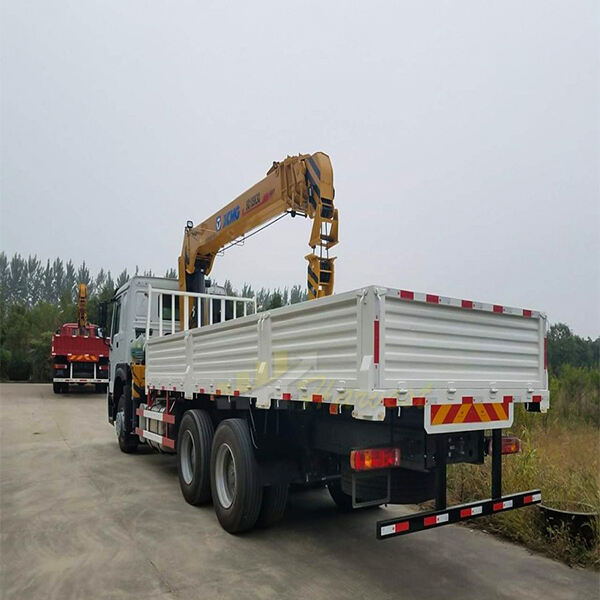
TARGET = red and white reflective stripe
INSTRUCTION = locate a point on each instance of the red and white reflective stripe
(155, 437)
(470, 512)
(503, 505)
(532, 498)
(419, 401)
(155, 415)
(395, 528)
(468, 304)
(435, 519)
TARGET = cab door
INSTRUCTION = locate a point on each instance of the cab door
(118, 347)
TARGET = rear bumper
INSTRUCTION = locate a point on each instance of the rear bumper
(389, 528)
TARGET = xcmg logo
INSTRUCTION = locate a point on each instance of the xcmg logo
(228, 218)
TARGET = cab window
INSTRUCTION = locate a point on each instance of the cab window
(116, 320)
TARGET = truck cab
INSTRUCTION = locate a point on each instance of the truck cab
(130, 319)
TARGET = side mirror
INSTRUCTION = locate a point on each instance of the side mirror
(103, 317)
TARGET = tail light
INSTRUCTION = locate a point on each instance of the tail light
(511, 444)
(374, 458)
(60, 366)
(103, 367)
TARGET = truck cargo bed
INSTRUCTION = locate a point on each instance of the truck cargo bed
(372, 348)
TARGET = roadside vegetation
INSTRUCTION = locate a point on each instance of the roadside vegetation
(560, 452)
(560, 455)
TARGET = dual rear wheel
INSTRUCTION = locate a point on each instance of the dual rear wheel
(221, 465)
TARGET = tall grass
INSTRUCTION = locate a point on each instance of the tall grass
(560, 455)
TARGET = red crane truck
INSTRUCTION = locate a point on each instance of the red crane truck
(79, 352)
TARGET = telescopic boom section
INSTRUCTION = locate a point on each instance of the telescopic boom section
(82, 313)
(299, 185)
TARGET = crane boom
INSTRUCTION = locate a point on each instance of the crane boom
(82, 313)
(300, 184)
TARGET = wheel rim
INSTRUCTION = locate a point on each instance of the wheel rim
(225, 476)
(119, 423)
(187, 455)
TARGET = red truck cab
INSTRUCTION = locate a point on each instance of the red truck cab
(79, 356)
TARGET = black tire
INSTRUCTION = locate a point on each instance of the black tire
(234, 477)
(127, 442)
(273, 504)
(57, 388)
(342, 500)
(194, 445)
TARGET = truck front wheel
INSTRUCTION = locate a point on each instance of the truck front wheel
(194, 444)
(127, 442)
(235, 481)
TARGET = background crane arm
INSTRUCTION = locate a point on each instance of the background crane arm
(299, 184)
(82, 313)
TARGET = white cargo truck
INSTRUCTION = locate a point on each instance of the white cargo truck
(371, 393)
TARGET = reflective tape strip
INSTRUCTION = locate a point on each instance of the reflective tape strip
(435, 519)
(532, 498)
(396, 528)
(155, 415)
(155, 437)
(470, 512)
(503, 505)
(467, 304)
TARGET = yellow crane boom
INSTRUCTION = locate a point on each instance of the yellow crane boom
(300, 184)
(82, 313)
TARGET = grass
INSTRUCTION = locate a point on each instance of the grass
(560, 455)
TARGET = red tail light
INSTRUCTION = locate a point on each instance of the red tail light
(59, 366)
(374, 458)
(103, 367)
(511, 444)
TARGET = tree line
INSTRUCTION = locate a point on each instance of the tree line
(36, 298)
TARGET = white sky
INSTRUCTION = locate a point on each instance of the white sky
(464, 138)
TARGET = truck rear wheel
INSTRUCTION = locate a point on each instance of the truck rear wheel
(127, 442)
(273, 504)
(194, 444)
(235, 482)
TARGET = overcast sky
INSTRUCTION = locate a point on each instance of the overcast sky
(464, 138)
